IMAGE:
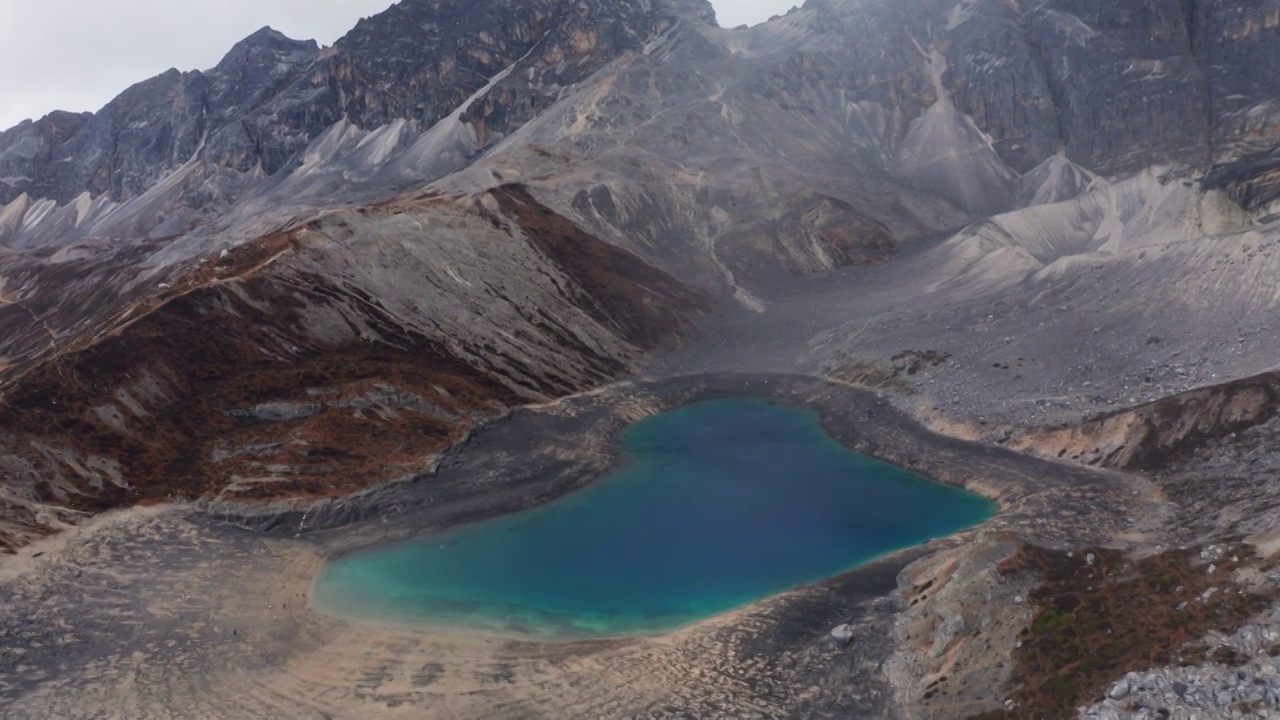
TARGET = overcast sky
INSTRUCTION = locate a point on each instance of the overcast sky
(78, 54)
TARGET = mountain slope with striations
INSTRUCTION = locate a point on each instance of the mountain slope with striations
(313, 273)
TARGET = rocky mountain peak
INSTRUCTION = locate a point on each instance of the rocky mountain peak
(264, 46)
(270, 96)
(697, 10)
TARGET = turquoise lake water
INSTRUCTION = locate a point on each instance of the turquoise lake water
(716, 504)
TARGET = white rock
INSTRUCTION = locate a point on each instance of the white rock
(842, 633)
(1119, 690)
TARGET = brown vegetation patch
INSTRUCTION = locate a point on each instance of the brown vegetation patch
(1102, 614)
(853, 240)
(159, 398)
(643, 304)
(224, 387)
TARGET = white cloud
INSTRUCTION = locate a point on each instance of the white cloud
(78, 54)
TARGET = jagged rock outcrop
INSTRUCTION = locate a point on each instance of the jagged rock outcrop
(27, 150)
(1118, 86)
(270, 96)
(1157, 435)
(1236, 46)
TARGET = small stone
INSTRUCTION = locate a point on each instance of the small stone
(843, 633)
(1090, 559)
(1120, 690)
(1017, 600)
(1180, 688)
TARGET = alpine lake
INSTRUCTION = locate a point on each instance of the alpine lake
(713, 506)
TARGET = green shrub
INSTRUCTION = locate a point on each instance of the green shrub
(1063, 688)
(1051, 622)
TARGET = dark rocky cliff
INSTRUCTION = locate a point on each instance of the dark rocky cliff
(1119, 85)
(270, 96)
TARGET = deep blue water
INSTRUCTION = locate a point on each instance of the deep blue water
(718, 504)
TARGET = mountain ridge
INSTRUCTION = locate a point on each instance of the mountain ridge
(233, 113)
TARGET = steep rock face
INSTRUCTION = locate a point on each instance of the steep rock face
(128, 145)
(250, 75)
(995, 76)
(1236, 45)
(270, 96)
(27, 150)
(1129, 89)
(956, 98)
(1118, 86)
(162, 123)
(431, 56)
